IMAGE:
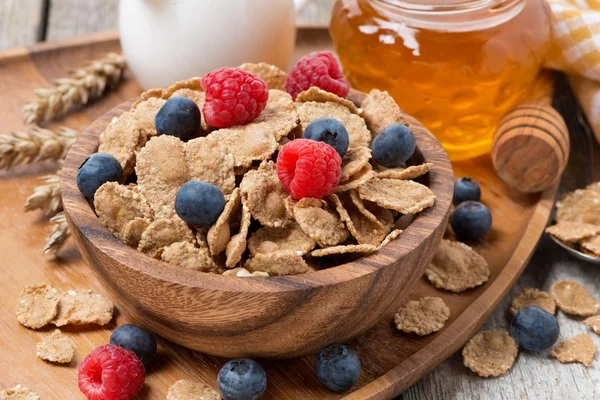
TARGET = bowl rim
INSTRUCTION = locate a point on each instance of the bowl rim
(81, 218)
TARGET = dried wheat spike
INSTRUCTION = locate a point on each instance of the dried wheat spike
(46, 197)
(34, 146)
(77, 89)
(59, 235)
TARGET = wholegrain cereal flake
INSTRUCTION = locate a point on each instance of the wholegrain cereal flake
(19, 392)
(244, 273)
(412, 172)
(210, 162)
(186, 255)
(220, 233)
(264, 195)
(273, 76)
(270, 240)
(286, 262)
(372, 211)
(188, 390)
(319, 95)
(133, 231)
(592, 244)
(37, 305)
(122, 139)
(319, 222)
(354, 160)
(456, 267)
(380, 110)
(193, 84)
(423, 317)
(344, 249)
(582, 205)
(358, 179)
(237, 245)
(580, 349)
(146, 112)
(568, 231)
(406, 197)
(533, 297)
(162, 233)
(574, 299)
(81, 307)
(490, 353)
(593, 322)
(363, 229)
(56, 348)
(391, 236)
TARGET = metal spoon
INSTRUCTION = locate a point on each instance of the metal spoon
(581, 255)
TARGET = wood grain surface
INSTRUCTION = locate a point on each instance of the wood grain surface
(21, 22)
(391, 361)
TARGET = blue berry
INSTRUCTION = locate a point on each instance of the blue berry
(330, 131)
(98, 169)
(135, 339)
(465, 189)
(534, 328)
(242, 379)
(471, 221)
(199, 203)
(393, 146)
(338, 367)
(180, 117)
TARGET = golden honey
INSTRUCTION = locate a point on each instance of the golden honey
(458, 67)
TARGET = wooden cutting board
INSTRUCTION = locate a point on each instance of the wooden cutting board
(391, 361)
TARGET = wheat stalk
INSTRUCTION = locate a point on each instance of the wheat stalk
(46, 197)
(76, 90)
(35, 145)
(59, 235)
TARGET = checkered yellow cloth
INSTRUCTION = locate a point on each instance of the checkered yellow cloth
(575, 50)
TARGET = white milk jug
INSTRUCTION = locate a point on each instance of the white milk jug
(169, 40)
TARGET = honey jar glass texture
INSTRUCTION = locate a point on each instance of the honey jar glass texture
(456, 66)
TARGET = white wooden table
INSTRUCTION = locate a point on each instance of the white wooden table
(534, 376)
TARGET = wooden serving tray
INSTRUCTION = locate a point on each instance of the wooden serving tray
(391, 361)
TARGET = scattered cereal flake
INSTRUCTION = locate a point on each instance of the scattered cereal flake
(381, 110)
(364, 229)
(186, 255)
(456, 267)
(237, 245)
(591, 244)
(406, 197)
(244, 273)
(210, 162)
(490, 353)
(123, 138)
(358, 179)
(287, 262)
(219, 234)
(412, 172)
(344, 249)
(319, 95)
(187, 390)
(19, 392)
(579, 349)
(162, 233)
(133, 231)
(258, 140)
(533, 297)
(56, 348)
(37, 305)
(354, 160)
(579, 206)
(391, 236)
(320, 223)
(572, 231)
(273, 76)
(423, 316)
(161, 170)
(81, 307)
(264, 195)
(593, 322)
(145, 112)
(117, 205)
(354, 124)
(574, 299)
(269, 240)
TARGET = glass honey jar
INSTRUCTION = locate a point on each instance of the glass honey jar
(457, 66)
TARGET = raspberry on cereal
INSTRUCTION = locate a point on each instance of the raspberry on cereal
(110, 373)
(233, 97)
(317, 69)
(307, 168)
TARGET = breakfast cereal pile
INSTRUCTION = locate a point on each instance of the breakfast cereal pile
(578, 220)
(272, 222)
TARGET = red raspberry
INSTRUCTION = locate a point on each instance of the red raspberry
(233, 97)
(307, 168)
(317, 69)
(110, 373)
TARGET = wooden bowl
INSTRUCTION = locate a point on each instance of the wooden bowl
(278, 317)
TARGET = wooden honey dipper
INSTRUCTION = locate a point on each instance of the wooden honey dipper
(531, 147)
